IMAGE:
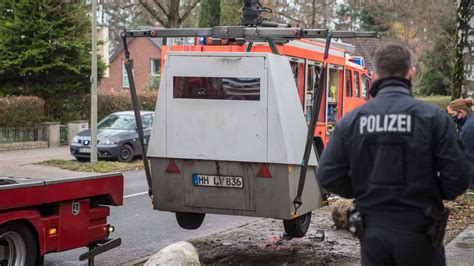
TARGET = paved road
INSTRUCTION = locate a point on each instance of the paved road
(143, 230)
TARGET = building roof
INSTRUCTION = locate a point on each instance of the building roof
(158, 42)
(365, 47)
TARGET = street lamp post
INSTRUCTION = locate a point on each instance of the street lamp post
(94, 84)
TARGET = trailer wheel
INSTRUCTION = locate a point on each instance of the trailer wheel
(126, 154)
(190, 221)
(17, 245)
(299, 226)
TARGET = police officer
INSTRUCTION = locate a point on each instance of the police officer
(399, 158)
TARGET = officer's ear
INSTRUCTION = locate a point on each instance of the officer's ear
(411, 73)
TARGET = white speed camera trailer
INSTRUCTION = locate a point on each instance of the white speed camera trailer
(228, 138)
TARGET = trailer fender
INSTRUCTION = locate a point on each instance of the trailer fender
(33, 219)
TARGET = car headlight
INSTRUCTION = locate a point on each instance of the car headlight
(75, 140)
(106, 142)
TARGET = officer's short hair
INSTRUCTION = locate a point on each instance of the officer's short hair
(392, 61)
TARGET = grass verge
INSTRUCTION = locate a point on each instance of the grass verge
(98, 167)
(441, 101)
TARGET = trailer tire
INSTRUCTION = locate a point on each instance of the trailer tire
(299, 226)
(189, 220)
(19, 237)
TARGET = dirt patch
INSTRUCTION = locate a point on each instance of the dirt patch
(461, 215)
(262, 242)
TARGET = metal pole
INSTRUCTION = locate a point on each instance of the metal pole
(94, 84)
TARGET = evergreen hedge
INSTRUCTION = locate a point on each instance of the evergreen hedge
(108, 103)
(441, 101)
(21, 111)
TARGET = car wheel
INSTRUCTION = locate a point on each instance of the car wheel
(18, 245)
(299, 226)
(126, 154)
(82, 159)
(190, 221)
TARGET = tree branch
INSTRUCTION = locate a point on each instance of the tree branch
(128, 6)
(161, 7)
(154, 13)
(188, 10)
(289, 17)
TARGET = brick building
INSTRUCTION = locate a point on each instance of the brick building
(146, 55)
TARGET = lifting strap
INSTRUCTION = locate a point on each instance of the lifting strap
(297, 202)
(136, 111)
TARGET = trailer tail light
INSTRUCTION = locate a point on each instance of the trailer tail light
(172, 168)
(264, 172)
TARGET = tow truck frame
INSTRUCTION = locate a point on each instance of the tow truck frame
(48, 216)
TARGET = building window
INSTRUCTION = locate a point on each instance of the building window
(155, 67)
(155, 71)
(125, 83)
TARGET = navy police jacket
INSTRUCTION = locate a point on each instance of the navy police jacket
(395, 153)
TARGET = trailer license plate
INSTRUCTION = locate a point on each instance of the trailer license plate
(218, 181)
(85, 150)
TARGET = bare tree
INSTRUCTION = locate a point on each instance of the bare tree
(414, 23)
(169, 13)
(304, 13)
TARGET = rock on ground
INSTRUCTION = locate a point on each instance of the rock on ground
(181, 253)
(339, 212)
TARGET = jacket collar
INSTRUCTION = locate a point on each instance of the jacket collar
(388, 85)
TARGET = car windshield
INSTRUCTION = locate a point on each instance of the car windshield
(119, 122)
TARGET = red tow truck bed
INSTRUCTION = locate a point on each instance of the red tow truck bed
(60, 214)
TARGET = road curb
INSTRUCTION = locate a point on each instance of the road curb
(460, 251)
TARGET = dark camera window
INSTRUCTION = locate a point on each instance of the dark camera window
(247, 89)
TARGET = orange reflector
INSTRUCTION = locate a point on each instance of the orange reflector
(172, 168)
(52, 231)
(264, 172)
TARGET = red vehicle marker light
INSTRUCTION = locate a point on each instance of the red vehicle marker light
(264, 172)
(172, 168)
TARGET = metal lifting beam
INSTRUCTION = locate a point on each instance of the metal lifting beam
(247, 33)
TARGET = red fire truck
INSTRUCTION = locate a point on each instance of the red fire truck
(348, 79)
(44, 216)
